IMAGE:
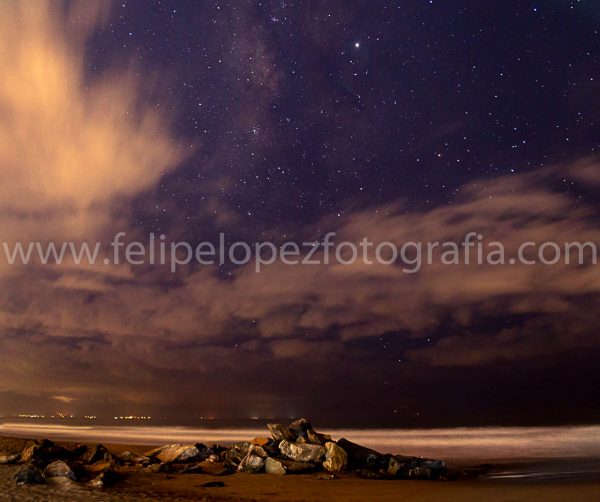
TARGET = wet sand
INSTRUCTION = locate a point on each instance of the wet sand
(138, 486)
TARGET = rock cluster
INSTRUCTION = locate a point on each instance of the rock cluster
(294, 448)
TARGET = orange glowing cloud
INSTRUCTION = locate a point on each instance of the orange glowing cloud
(69, 145)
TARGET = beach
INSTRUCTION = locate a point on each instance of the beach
(500, 479)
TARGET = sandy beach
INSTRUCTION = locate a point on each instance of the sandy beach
(137, 485)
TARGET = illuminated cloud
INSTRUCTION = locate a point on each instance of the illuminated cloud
(70, 144)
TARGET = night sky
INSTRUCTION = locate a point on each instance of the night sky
(284, 120)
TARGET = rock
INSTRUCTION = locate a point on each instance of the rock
(9, 458)
(302, 452)
(43, 452)
(254, 461)
(434, 465)
(399, 466)
(98, 467)
(336, 459)
(204, 452)
(420, 473)
(131, 458)
(293, 467)
(299, 427)
(304, 433)
(174, 453)
(191, 469)
(280, 432)
(104, 479)
(95, 454)
(261, 441)
(325, 477)
(74, 452)
(214, 468)
(269, 445)
(274, 466)
(29, 475)
(236, 454)
(213, 484)
(360, 457)
(59, 469)
(324, 438)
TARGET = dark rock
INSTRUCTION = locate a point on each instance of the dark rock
(360, 457)
(281, 432)
(104, 479)
(294, 467)
(43, 452)
(97, 453)
(204, 452)
(214, 468)
(302, 452)
(254, 461)
(300, 427)
(213, 484)
(75, 452)
(399, 466)
(29, 475)
(192, 469)
(131, 458)
(98, 467)
(252, 464)
(59, 469)
(325, 477)
(304, 433)
(236, 454)
(420, 473)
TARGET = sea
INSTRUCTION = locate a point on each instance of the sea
(515, 453)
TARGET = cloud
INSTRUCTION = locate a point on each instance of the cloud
(64, 399)
(75, 150)
(71, 145)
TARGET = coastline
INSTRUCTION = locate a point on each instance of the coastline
(302, 487)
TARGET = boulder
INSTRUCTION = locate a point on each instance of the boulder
(304, 433)
(420, 473)
(95, 454)
(214, 468)
(98, 467)
(59, 469)
(204, 452)
(252, 463)
(302, 452)
(104, 479)
(398, 466)
(274, 466)
(43, 452)
(236, 454)
(29, 475)
(194, 468)
(336, 459)
(293, 467)
(131, 458)
(173, 453)
(261, 441)
(280, 432)
(9, 458)
(360, 457)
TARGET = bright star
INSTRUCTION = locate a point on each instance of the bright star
(357, 44)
